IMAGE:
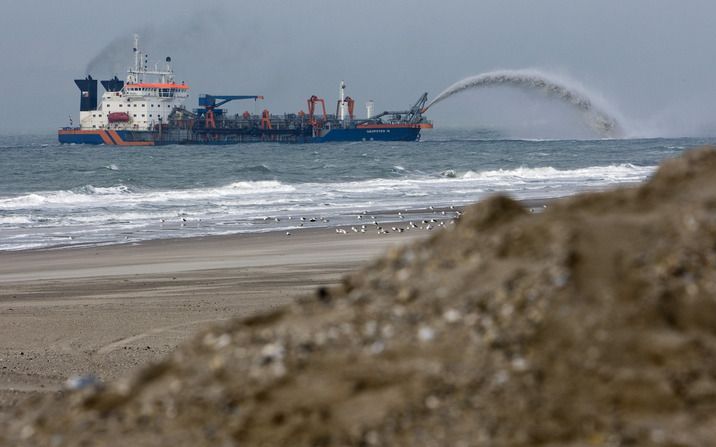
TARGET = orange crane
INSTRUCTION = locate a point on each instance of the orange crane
(312, 101)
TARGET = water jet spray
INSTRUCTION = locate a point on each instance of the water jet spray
(599, 120)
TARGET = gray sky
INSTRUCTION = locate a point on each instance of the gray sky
(653, 61)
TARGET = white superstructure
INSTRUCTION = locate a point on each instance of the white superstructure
(145, 101)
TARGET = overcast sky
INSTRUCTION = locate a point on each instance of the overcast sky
(652, 61)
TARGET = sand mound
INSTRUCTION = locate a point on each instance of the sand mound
(593, 323)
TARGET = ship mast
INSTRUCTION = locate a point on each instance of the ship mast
(137, 53)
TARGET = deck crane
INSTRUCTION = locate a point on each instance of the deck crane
(211, 102)
(312, 101)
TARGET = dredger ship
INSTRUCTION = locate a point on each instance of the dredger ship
(147, 109)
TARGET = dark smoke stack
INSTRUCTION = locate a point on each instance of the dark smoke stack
(88, 98)
(113, 85)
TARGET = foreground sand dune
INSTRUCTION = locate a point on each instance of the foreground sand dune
(592, 323)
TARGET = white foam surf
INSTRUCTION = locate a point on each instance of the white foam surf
(118, 213)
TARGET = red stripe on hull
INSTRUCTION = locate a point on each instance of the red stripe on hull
(109, 137)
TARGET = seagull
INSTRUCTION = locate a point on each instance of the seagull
(288, 233)
(276, 219)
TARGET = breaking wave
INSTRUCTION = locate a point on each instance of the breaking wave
(346, 194)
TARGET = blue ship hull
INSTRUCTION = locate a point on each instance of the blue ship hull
(362, 134)
(145, 138)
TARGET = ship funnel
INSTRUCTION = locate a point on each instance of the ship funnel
(88, 98)
(112, 85)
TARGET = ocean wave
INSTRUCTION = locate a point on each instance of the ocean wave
(262, 168)
(274, 192)
(620, 172)
(118, 195)
(15, 220)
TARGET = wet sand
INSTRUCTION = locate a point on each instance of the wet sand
(105, 310)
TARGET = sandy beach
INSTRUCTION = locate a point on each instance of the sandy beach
(106, 310)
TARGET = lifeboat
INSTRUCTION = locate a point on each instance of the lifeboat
(118, 117)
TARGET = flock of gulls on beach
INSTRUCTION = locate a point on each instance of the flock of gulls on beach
(398, 222)
(447, 217)
(444, 217)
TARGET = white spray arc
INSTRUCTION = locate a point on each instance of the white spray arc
(596, 117)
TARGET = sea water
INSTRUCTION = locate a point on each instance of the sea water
(55, 195)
